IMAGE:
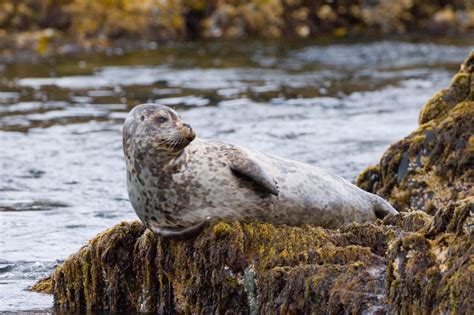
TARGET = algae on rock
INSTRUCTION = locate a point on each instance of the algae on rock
(228, 268)
(419, 261)
(433, 272)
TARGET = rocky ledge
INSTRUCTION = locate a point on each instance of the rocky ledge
(420, 261)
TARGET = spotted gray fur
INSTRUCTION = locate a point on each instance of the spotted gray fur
(177, 182)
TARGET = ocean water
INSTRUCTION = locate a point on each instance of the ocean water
(62, 173)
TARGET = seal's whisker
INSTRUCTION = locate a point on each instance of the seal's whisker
(161, 141)
(167, 134)
(168, 141)
(175, 142)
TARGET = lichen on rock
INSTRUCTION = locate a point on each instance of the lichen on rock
(419, 261)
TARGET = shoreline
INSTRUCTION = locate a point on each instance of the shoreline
(68, 48)
(31, 29)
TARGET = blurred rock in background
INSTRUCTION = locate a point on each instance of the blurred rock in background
(48, 26)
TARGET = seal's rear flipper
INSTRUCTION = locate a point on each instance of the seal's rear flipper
(243, 166)
(382, 208)
(183, 233)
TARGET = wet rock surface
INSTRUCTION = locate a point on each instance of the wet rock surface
(420, 261)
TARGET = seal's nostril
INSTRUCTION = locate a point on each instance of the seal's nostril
(188, 126)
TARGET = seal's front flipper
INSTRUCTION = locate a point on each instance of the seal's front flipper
(180, 233)
(243, 166)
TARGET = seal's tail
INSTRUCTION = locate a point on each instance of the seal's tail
(382, 208)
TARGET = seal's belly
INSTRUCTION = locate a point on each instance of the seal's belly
(204, 187)
(304, 198)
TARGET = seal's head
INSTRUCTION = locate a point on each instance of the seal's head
(157, 130)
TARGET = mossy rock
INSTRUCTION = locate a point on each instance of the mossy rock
(230, 267)
(435, 164)
(44, 285)
(433, 272)
(432, 170)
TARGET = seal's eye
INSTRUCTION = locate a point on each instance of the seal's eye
(142, 118)
(161, 119)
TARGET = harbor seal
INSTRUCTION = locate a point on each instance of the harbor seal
(177, 182)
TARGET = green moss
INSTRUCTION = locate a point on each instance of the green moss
(222, 229)
(44, 285)
(433, 270)
(368, 177)
(440, 104)
(410, 222)
(433, 108)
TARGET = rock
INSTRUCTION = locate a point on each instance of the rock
(44, 285)
(432, 270)
(435, 164)
(104, 24)
(230, 268)
(419, 261)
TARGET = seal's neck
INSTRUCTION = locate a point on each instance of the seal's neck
(179, 160)
(162, 158)
(158, 160)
